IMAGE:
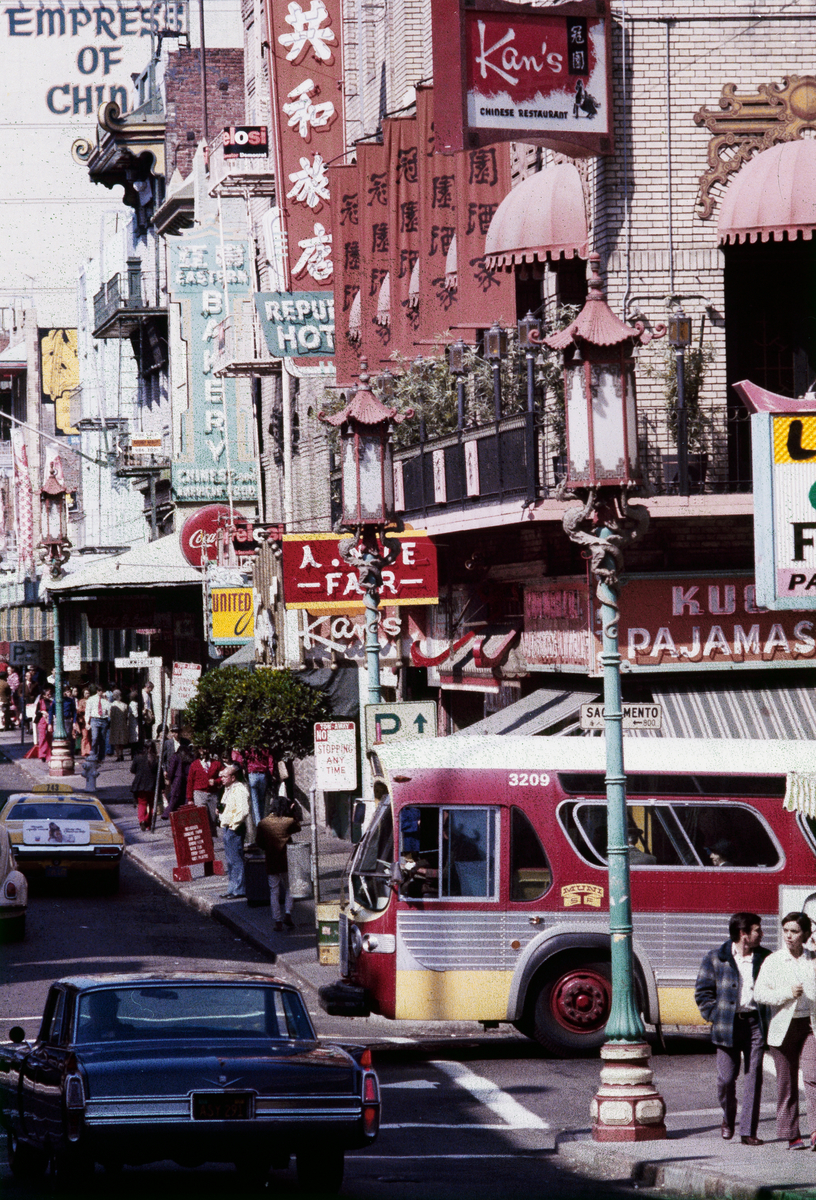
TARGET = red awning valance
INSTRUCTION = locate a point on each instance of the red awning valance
(772, 195)
(541, 219)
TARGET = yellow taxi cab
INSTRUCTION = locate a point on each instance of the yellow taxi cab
(55, 832)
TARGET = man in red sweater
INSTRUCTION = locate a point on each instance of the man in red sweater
(203, 786)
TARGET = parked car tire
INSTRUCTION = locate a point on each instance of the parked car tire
(320, 1170)
(24, 1161)
(13, 930)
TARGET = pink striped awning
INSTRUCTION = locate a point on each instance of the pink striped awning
(542, 218)
(772, 195)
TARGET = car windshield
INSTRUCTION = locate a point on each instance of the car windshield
(177, 1011)
(39, 810)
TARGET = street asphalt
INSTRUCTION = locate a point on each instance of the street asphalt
(693, 1160)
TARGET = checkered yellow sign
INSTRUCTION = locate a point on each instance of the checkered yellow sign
(794, 440)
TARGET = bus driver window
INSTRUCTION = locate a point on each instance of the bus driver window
(448, 852)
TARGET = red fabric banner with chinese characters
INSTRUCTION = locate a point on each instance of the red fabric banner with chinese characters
(482, 182)
(402, 147)
(437, 224)
(343, 186)
(374, 228)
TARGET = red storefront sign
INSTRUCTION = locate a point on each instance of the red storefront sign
(200, 534)
(316, 578)
(193, 843)
(527, 74)
(557, 625)
(696, 622)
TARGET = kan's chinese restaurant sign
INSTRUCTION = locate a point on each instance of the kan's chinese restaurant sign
(529, 74)
(317, 578)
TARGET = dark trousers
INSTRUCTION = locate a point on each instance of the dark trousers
(798, 1047)
(748, 1049)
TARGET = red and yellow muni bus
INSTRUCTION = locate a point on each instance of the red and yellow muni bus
(479, 891)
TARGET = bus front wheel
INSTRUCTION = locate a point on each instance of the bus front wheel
(569, 1011)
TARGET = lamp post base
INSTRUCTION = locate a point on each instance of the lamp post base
(627, 1106)
(62, 759)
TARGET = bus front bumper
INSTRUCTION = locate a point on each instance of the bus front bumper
(344, 999)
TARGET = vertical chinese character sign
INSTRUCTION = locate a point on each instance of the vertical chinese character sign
(307, 78)
(216, 444)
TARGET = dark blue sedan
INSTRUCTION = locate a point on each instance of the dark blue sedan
(130, 1069)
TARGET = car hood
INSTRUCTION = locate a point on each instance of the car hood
(162, 1069)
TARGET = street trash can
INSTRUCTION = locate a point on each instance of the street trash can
(256, 880)
(328, 934)
(299, 858)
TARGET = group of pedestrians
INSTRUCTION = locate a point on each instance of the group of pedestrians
(756, 1000)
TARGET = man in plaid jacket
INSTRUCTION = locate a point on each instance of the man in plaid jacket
(725, 996)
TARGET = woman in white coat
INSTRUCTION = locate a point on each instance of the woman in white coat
(787, 982)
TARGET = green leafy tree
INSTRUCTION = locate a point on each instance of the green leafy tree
(236, 709)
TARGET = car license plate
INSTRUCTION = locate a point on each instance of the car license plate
(222, 1106)
(56, 872)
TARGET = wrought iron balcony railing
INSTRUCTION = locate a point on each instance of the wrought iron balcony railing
(125, 300)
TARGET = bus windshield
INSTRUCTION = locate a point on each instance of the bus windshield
(370, 871)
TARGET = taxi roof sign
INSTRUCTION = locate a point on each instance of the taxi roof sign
(52, 789)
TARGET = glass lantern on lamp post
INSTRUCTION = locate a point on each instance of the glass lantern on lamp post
(54, 549)
(603, 471)
(457, 364)
(367, 486)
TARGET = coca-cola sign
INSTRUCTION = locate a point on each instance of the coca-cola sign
(200, 534)
(533, 74)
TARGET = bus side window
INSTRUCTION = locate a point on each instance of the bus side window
(727, 835)
(448, 852)
(530, 874)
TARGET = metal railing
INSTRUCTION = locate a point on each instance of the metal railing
(129, 291)
(507, 459)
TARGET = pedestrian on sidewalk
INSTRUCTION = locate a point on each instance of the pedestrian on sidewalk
(6, 697)
(133, 722)
(84, 727)
(16, 701)
(273, 835)
(41, 724)
(178, 769)
(145, 770)
(148, 712)
(119, 734)
(258, 765)
(233, 810)
(787, 982)
(726, 996)
(97, 714)
(203, 785)
(69, 713)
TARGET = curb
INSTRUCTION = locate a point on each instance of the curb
(689, 1180)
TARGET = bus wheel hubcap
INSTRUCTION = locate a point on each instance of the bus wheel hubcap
(581, 1000)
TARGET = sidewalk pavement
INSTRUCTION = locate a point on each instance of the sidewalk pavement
(693, 1161)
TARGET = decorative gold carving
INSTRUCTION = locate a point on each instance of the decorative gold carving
(746, 125)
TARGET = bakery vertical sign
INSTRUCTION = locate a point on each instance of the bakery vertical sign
(306, 54)
(215, 460)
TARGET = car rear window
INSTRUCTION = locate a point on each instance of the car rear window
(175, 1011)
(24, 810)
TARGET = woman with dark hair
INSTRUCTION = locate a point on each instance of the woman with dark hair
(178, 769)
(145, 770)
(787, 982)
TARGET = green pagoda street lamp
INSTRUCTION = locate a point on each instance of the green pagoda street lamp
(54, 552)
(603, 472)
(367, 487)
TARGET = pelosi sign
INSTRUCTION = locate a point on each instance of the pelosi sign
(316, 578)
(200, 533)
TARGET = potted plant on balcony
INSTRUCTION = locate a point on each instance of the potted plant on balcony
(663, 367)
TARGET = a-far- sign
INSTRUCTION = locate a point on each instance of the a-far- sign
(335, 755)
(528, 73)
(635, 716)
(397, 722)
(315, 576)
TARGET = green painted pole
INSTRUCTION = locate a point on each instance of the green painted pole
(371, 584)
(625, 1023)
